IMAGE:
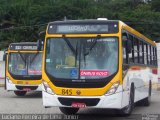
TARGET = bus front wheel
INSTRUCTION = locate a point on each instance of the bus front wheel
(20, 93)
(129, 108)
(68, 110)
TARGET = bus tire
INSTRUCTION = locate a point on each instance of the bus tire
(68, 110)
(20, 93)
(126, 111)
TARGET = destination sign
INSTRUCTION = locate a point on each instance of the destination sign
(23, 47)
(83, 28)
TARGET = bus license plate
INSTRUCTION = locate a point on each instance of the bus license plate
(78, 105)
(26, 89)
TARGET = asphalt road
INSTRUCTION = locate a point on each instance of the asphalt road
(32, 104)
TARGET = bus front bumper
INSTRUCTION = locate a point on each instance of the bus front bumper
(111, 101)
(21, 87)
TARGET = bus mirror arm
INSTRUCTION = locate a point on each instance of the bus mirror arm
(4, 57)
(39, 44)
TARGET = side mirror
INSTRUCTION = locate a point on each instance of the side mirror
(4, 56)
(42, 35)
(40, 42)
(39, 45)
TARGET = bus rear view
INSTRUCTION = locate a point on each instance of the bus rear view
(23, 68)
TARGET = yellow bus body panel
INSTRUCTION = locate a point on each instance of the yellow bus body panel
(85, 91)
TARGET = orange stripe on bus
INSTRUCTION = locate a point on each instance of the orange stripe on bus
(136, 68)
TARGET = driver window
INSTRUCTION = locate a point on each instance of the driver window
(125, 56)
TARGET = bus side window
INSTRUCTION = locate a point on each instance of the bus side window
(156, 57)
(131, 54)
(141, 52)
(151, 55)
(136, 50)
(145, 53)
(149, 58)
(127, 48)
(146, 46)
(125, 56)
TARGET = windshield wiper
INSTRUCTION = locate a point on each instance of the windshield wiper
(85, 53)
(22, 57)
(69, 44)
(34, 57)
(92, 46)
(76, 53)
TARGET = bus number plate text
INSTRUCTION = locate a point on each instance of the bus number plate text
(66, 92)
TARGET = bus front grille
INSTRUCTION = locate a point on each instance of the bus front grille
(28, 87)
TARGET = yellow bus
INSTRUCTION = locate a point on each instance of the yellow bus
(23, 65)
(97, 64)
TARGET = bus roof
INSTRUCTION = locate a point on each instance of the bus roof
(83, 27)
(112, 23)
(83, 21)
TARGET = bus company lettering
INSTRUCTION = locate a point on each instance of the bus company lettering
(94, 73)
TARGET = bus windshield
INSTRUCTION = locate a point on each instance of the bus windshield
(25, 63)
(82, 58)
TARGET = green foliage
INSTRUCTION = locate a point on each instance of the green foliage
(22, 20)
(156, 5)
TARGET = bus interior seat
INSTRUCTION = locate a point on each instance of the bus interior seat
(70, 61)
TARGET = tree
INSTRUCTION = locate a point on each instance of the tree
(23, 20)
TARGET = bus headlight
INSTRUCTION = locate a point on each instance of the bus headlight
(113, 89)
(9, 80)
(47, 88)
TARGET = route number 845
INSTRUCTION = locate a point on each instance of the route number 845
(66, 92)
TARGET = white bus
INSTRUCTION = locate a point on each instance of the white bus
(23, 64)
(97, 64)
